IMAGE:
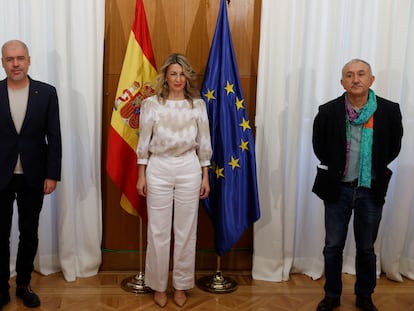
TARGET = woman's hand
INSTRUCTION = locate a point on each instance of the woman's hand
(142, 180)
(205, 185)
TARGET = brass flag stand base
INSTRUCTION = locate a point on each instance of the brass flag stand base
(217, 283)
(136, 284)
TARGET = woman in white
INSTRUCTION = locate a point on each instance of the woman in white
(174, 152)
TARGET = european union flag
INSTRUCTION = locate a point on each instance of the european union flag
(233, 203)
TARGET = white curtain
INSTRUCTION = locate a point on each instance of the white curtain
(303, 46)
(65, 40)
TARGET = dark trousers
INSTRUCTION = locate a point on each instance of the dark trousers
(367, 217)
(29, 204)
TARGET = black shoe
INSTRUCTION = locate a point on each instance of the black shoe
(4, 298)
(365, 303)
(328, 303)
(30, 299)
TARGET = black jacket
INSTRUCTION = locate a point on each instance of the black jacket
(39, 140)
(329, 145)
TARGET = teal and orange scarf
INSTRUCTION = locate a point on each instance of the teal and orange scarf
(365, 117)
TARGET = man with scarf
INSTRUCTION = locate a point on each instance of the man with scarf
(355, 137)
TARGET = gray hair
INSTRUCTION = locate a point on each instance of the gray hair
(14, 42)
(357, 60)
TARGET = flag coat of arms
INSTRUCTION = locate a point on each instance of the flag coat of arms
(233, 202)
(137, 75)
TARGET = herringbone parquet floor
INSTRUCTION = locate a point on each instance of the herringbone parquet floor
(103, 293)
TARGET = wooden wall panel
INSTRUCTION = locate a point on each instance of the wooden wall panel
(119, 17)
(184, 26)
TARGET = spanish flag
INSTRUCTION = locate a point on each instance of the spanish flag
(135, 83)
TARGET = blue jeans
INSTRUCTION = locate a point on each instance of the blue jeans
(367, 217)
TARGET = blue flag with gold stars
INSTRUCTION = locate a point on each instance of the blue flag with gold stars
(233, 203)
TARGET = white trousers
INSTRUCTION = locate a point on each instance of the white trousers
(173, 194)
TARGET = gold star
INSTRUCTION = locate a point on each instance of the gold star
(229, 88)
(219, 172)
(239, 103)
(234, 163)
(243, 145)
(245, 124)
(209, 95)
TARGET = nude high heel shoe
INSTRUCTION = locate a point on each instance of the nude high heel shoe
(180, 298)
(160, 299)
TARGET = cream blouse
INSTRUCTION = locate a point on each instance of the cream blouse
(173, 128)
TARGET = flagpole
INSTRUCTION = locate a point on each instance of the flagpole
(136, 283)
(217, 283)
(138, 72)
